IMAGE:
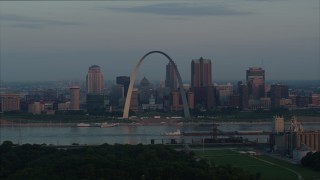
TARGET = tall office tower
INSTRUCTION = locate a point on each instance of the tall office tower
(201, 83)
(176, 101)
(95, 83)
(243, 92)
(190, 100)
(125, 81)
(75, 98)
(116, 95)
(145, 91)
(256, 82)
(96, 104)
(171, 77)
(224, 91)
(277, 92)
(201, 75)
(134, 105)
(211, 100)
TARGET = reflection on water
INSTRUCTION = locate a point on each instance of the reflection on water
(120, 134)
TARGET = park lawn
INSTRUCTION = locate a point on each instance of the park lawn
(307, 174)
(248, 163)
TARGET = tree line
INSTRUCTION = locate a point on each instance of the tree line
(109, 162)
(312, 160)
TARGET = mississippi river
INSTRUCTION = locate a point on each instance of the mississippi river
(127, 134)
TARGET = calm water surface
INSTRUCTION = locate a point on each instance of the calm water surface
(123, 134)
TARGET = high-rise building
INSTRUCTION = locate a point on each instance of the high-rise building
(145, 91)
(278, 92)
(201, 83)
(96, 104)
(10, 102)
(35, 108)
(190, 100)
(243, 92)
(201, 75)
(256, 82)
(117, 95)
(95, 82)
(224, 91)
(171, 77)
(134, 105)
(234, 101)
(176, 101)
(74, 98)
(125, 81)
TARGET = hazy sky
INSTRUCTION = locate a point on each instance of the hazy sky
(59, 40)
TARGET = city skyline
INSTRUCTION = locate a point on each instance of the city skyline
(39, 43)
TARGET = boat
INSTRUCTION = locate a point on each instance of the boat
(176, 133)
(95, 124)
(83, 125)
(106, 125)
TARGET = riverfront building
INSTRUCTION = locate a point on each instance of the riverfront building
(10, 102)
(293, 138)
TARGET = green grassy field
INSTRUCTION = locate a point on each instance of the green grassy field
(268, 167)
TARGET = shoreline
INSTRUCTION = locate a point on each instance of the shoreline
(13, 124)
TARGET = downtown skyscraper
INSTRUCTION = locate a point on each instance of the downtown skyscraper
(95, 82)
(201, 75)
(171, 77)
(95, 91)
(75, 98)
(201, 83)
(125, 81)
(256, 82)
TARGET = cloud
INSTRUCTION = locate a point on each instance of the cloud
(27, 22)
(183, 9)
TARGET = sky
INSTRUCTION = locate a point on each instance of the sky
(59, 40)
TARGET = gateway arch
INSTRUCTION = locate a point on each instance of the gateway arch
(133, 78)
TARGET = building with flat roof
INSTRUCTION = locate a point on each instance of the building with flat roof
(125, 81)
(201, 74)
(171, 81)
(278, 92)
(10, 102)
(74, 98)
(134, 105)
(256, 82)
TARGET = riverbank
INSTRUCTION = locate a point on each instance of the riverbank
(148, 122)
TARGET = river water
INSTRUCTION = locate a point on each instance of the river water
(126, 134)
